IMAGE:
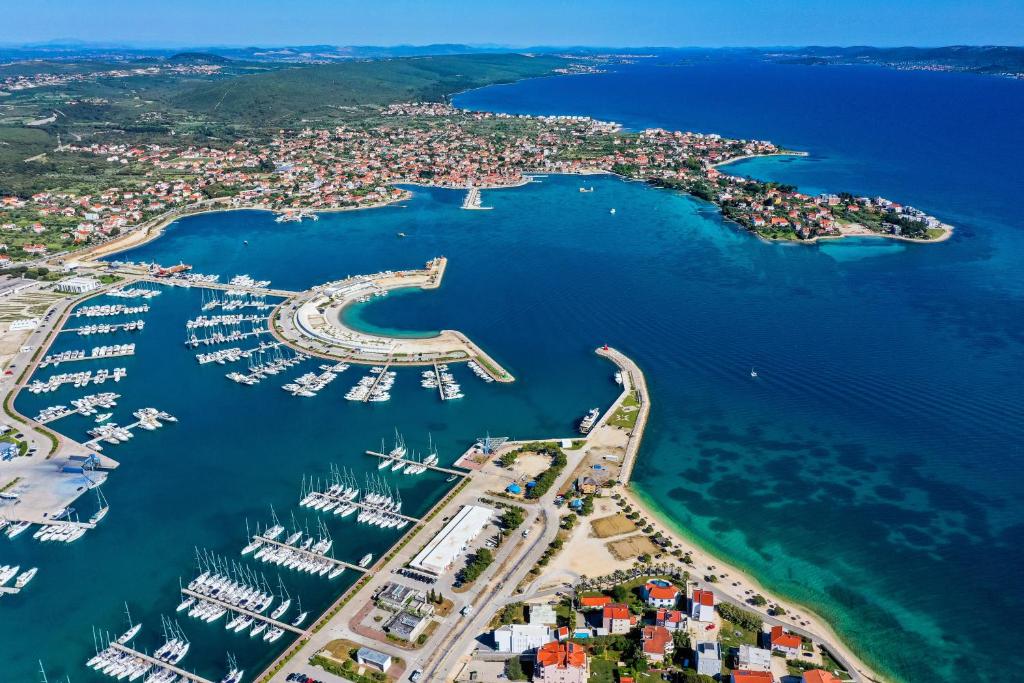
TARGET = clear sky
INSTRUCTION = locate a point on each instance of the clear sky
(706, 23)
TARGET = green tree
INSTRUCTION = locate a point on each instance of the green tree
(514, 669)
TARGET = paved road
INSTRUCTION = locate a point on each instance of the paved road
(444, 664)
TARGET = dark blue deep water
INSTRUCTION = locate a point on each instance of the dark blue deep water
(873, 470)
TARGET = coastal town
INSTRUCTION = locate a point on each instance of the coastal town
(363, 165)
(535, 560)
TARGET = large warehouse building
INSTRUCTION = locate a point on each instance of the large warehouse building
(438, 555)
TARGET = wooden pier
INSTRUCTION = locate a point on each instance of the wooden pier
(156, 662)
(241, 610)
(437, 468)
(309, 553)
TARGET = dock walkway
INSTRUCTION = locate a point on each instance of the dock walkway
(187, 675)
(258, 291)
(380, 374)
(241, 610)
(309, 553)
(414, 462)
(364, 506)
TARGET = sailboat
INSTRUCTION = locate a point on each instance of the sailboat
(133, 629)
(234, 674)
(286, 601)
(103, 510)
(302, 615)
(753, 372)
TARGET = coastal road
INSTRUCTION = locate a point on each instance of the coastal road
(499, 589)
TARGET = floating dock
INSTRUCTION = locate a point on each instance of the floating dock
(309, 553)
(438, 468)
(241, 610)
(159, 663)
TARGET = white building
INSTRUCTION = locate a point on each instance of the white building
(78, 285)
(709, 659)
(453, 540)
(754, 658)
(542, 614)
(521, 637)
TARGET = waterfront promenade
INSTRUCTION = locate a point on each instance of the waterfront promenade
(312, 322)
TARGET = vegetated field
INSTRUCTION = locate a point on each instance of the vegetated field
(613, 525)
(307, 92)
(633, 546)
(625, 416)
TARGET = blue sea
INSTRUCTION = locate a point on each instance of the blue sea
(871, 471)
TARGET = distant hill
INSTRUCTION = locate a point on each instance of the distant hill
(290, 94)
(991, 59)
(197, 58)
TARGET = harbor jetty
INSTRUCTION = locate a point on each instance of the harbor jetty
(634, 395)
(312, 323)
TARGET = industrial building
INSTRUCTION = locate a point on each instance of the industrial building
(453, 540)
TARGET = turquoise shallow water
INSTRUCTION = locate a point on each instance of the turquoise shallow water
(872, 463)
(873, 470)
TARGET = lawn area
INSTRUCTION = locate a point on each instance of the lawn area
(625, 416)
(336, 658)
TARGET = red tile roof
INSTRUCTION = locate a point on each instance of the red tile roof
(782, 639)
(655, 639)
(616, 611)
(562, 655)
(594, 600)
(702, 597)
(661, 592)
(670, 616)
(739, 676)
(819, 676)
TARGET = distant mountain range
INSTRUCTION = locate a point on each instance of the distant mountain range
(985, 59)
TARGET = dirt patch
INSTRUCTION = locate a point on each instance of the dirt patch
(532, 465)
(633, 546)
(614, 525)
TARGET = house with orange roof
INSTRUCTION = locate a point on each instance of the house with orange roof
(561, 663)
(657, 643)
(702, 605)
(617, 619)
(672, 619)
(819, 676)
(661, 594)
(785, 642)
(743, 676)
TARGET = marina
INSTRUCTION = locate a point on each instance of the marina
(95, 353)
(85, 406)
(109, 310)
(107, 328)
(437, 468)
(76, 379)
(149, 419)
(312, 322)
